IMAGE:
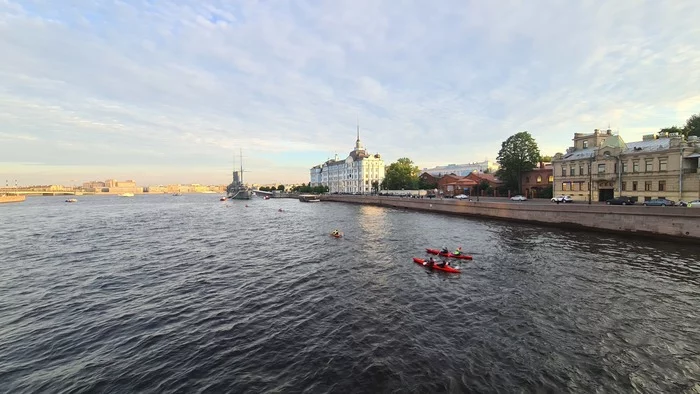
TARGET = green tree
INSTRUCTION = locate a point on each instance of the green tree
(375, 186)
(280, 187)
(546, 159)
(518, 153)
(692, 126)
(425, 185)
(402, 174)
(672, 129)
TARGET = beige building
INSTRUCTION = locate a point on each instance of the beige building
(601, 166)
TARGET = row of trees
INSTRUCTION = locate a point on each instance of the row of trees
(271, 188)
(692, 127)
(307, 188)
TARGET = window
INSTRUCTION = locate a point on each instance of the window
(565, 186)
(634, 186)
(551, 179)
(624, 186)
(624, 167)
(662, 186)
(585, 144)
(572, 171)
(648, 166)
(601, 168)
(635, 166)
(662, 165)
(539, 178)
(563, 171)
(580, 169)
(647, 186)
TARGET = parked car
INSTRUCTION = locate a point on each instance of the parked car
(562, 199)
(620, 201)
(461, 197)
(693, 204)
(659, 202)
(519, 198)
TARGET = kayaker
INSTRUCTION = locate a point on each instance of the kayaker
(445, 250)
(443, 264)
(458, 251)
(430, 263)
(336, 232)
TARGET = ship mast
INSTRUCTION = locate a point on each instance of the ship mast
(241, 166)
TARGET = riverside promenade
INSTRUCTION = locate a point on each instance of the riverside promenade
(677, 223)
(7, 199)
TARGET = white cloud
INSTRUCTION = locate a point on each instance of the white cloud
(176, 86)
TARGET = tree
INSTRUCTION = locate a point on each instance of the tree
(425, 185)
(402, 174)
(546, 159)
(375, 186)
(280, 187)
(672, 129)
(692, 126)
(518, 153)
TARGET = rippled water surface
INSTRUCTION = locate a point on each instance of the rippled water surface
(189, 294)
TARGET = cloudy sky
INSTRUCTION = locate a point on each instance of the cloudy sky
(168, 91)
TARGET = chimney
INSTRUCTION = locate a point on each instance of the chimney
(609, 131)
(541, 165)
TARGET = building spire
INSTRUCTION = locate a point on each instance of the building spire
(358, 144)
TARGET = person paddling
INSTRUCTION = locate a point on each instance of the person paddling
(445, 250)
(430, 263)
(458, 251)
(443, 264)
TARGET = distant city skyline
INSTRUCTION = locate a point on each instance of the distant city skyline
(169, 92)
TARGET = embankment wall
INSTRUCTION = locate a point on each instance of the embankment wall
(4, 199)
(676, 223)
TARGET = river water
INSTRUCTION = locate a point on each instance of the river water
(189, 294)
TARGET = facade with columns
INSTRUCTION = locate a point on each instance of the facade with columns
(601, 166)
(355, 174)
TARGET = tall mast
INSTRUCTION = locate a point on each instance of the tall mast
(241, 166)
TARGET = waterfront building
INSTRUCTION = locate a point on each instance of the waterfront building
(452, 185)
(462, 169)
(601, 166)
(538, 182)
(494, 183)
(355, 174)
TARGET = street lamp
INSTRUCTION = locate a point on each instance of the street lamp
(590, 181)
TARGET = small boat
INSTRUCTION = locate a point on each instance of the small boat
(446, 268)
(266, 198)
(450, 255)
(222, 199)
(72, 200)
(337, 235)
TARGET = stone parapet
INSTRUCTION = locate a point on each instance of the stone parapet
(667, 222)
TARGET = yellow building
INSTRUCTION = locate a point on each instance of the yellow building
(601, 166)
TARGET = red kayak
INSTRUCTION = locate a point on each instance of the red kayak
(454, 256)
(446, 268)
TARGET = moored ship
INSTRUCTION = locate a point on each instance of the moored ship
(237, 190)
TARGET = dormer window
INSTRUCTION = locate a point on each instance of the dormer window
(585, 144)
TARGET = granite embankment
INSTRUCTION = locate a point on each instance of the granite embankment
(4, 199)
(668, 222)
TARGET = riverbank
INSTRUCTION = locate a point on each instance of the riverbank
(675, 223)
(8, 199)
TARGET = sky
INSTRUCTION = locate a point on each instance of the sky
(173, 91)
